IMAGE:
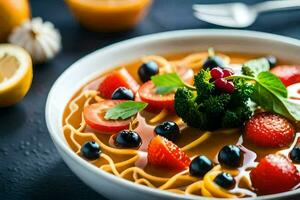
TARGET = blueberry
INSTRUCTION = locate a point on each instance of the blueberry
(123, 93)
(295, 154)
(200, 166)
(212, 62)
(272, 61)
(90, 150)
(230, 156)
(225, 180)
(168, 129)
(128, 139)
(147, 70)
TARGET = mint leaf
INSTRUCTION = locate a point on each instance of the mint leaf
(255, 67)
(125, 110)
(167, 83)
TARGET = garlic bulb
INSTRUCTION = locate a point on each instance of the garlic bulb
(39, 38)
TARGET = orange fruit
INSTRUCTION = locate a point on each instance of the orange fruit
(109, 15)
(12, 14)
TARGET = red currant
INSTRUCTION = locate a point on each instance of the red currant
(220, 83)
(229, 87)
(227, 72)
(224, 85)
(216, 73)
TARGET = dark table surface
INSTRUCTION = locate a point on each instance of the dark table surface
(30, 166)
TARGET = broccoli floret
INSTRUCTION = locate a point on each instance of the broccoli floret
(236, 117)
(216, 105)
(230, 120)
(243, 92)
(202, 82)
(187, 108)
(184, 101)
(210, 108)
(247, 71)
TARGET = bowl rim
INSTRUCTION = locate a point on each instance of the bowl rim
(59, 143)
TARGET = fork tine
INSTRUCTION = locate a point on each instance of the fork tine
(218, 9)
(219, 20)
(223, 6)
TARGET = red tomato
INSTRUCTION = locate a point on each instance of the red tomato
(147, 93)
(119, 78)
(288, 74)
(157, 102)
(94, 117)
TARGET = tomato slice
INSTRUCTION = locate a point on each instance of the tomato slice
(94, 117)
(288, 74)
(157, 102)
(147, 93)
(119, 78)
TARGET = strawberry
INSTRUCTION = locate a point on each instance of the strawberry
(274, 174)
(118, 78)
(288, 74)
(164, 153)
(269, 130)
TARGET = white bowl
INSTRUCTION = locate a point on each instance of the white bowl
(107, 58)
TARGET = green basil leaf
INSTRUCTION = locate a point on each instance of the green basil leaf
(293, 108)
(272, 83)
(255, 67)
(125, 110)
(271, 102)
(167, 83)
(271, 94)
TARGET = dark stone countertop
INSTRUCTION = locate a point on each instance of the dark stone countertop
(30, 167)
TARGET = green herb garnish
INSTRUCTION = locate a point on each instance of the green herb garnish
(205, 107)
(168, 83)
(271, 94)
(210, 109)
(125, 110)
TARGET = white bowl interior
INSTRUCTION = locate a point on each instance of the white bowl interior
(164, 43)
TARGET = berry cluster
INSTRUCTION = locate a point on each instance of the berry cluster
(218, 74)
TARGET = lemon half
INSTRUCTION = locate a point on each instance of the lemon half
(15, 74)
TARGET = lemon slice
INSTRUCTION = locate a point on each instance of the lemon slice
(15, 74)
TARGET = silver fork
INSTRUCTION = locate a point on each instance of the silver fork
(239, 15)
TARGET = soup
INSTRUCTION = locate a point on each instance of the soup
(151, 122)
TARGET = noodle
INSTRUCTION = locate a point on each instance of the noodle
(121, 164)
(159, 117)
(213, 188)
(196, 60)
(191, 189)
(111, 164)
(144, 181)
(201, 139)
(180, 183)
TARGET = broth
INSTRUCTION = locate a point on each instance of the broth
(132, 164)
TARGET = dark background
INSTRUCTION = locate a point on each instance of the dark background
(30, 167)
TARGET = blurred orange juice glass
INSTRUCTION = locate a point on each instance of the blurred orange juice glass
(109, 15)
